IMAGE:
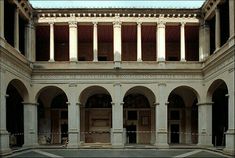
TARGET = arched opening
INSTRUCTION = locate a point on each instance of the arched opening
(96, 115)
(183, 116)
(138, 116)
(16, 95)
(52, 116)
(217, 93)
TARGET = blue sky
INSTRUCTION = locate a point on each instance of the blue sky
(117, 3)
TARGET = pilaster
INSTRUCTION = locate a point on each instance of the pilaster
(73, 41)
(117, 118)
(4, 135)
(161, 42)
(161, 117)
(30, 124)
(205, 124)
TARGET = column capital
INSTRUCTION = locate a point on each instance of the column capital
(156, 104)
(205, 104)
(139, 23)
(51, 23)
(117, 24)
(113, 103)
(30, 103)
(95, 23)
(183, 23)
(161, 24)
(72, 23)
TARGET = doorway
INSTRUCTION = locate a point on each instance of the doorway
(131, 130)
(175, 129)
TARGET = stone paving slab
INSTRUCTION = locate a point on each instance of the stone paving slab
(131, 153)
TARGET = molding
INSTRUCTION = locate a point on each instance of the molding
(205, 104)
(30, 103)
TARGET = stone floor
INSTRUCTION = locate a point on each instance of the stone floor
(90, 153)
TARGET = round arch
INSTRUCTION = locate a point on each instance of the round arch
(214, 85)
(90, 91)
(145, 91)
(21, 88)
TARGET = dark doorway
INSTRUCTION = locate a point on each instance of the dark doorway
(64, 132)
(175, 133)
(131, 134)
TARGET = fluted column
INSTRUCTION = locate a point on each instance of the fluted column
(73, 41)
(217, 28)
(2, 19)
(95, 42)
(117, 41)
(139, 42)
(205, 124)
(182, 42)
(161, 50)
(30, 124)
(16, 29)
(51, 42)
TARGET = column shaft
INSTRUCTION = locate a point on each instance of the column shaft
(139, 42)
(2, 19)
(117, 118)
(16, 29)
(30, 124)
(161, 50)
(205, 124)
(182, 42)
(204, 46)
(231, 23)
(52, 42)
(95, 42)
(217, 28)
(73, 41)
(161, 118)
(117, 41)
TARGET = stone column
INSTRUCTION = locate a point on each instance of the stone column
(51, 42)
(4, 135)
(188, 128)
(73, 118)
(73, 41)
(95, 42)
(30, 41)
(231, 23)
(33, 43)
(182, 42)
(205, 124)
(217, 28)
(161, 117)
(161, 50)
(16, 29)
(30, 124)
(139, 42)
(117, 43)
(204, 45)
(2, 19)
(117, 117)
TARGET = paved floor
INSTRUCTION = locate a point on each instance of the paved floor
(91, 153)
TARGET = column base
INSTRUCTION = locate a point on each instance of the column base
(230, 144)
(117, 138)
(204, 140)
(117, 65)
(161, 59)
(4, 142)
(73, 59)
(51, 60)
(162, 145)
(74, 139)
(73, 146)
(139, 60)
(182, 60)
(161, 139)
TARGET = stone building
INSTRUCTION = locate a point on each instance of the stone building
(117, 76)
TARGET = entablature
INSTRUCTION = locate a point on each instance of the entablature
(124, 15)
(209, 8)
